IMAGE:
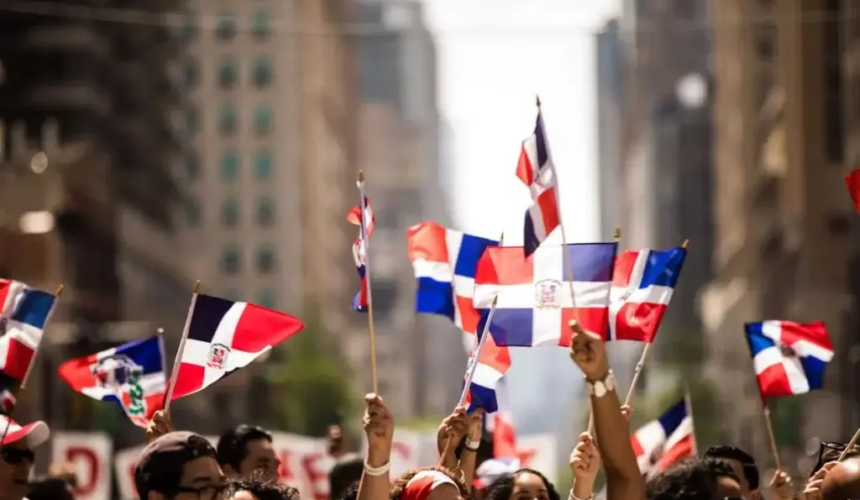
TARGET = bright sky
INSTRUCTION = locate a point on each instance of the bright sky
(494, 56)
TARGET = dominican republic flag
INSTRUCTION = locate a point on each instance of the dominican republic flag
(535, 303)
(445, 261)
(852, 182)
(789, 358)
(662, 442)
(537, 171)
(24, 312)
(362, 216)
(493, 363)
(642, 286)
(131, 375)
(225, 336)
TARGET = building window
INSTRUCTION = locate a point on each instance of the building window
(230, 213)
(190, 73)
(266, 212)
(262, 72)
(230, 166)
(266, 298)
(230, 260)
(264, 165)
(192, 213)
(191, 121)
(227, 120)
(261, 25)
(265, 259)
(263, 118)
(226, 28)
(227, 73)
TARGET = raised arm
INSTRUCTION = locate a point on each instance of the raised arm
(623, 479)
(379, 428)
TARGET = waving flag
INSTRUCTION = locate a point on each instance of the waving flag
(362, 216)
(642, 286)
(535, 303)
(24, 312)
(445, 261)
(662, 442)
(537, 171)
(131, 375)
(789, 358)
(493, 363)
(225, 336)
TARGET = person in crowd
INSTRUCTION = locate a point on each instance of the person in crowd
(584, 462)
(17, 456)
(336, 442)
(50, 488)
(344, 475)
(351, 493)
(459, 440)
(813, 489)
(179, 466)
(258, 487)
(830, 452)
(744, 466)
(695, 479)
(247, 449)
(611, 428)
(524, 484)
(836, 480)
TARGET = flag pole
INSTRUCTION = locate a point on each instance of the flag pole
(174, 372)
(850, 445)
(471, 371)
(643, 357)
(773, 448)
(23, 383)
(688, 403)
(365, 241)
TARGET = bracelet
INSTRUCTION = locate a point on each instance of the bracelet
(377, 471)
(472, 445)
(574, 497)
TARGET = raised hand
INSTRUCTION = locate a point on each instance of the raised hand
(588, 351)
(813, 490)
(476, 425)
(452, 430)
(379, 427)
(781, 487)
(159, 426)
(585, 462)
(627, 412)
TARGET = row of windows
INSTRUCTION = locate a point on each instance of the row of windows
(264, 165)
(226, 28)
(263, 118)
(231, 214)
(265, 297)
(264, 259)
(228, 72)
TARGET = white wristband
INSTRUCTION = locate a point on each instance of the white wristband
(573, 497)
(377, 471)
(472, 445)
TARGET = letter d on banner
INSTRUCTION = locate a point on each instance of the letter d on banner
(91, 454)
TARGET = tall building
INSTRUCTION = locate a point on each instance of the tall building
(783, 126)
(399, 137)
(86, 187)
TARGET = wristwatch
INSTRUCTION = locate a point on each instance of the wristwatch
(601, 387)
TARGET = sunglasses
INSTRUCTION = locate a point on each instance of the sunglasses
(832, 447)
(15, 456)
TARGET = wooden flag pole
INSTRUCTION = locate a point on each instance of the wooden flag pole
(174, 372)
(366, 243)
(850, 445)
(688, 403)
(773, 448)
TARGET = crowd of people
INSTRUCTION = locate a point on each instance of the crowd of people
(182, 465)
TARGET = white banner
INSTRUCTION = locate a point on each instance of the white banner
(91, 453)
(305, 463)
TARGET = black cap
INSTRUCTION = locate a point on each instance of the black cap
(159, 467)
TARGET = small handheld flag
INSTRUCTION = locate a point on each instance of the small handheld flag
(662, 442)
(536, 170)
(24, 313)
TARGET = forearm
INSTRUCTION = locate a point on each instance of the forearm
(583, 490)
(468, 459)
(375, 487)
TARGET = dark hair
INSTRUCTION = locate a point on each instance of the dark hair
(746, 460)
(400, 483)
(161, 463)
(502, 487)
(690, 479)
(350, 493)
(232, 445)
(343, 475)
(49, 489)
(263, 489)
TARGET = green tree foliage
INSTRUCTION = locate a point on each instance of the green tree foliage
(308, 384)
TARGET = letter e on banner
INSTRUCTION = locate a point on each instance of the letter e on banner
(90, 453)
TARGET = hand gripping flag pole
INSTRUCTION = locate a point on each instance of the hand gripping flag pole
(365, 243)
(470, 372)
(23, 383)
(174, 372)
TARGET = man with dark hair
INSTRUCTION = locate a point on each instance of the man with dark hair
(743, 465)
(695, 479)
(346, 472)
(179, 466)
(246, 449)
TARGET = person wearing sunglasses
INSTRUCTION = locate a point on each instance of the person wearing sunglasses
(17, 456)
(247, 450)
(695, 479)
(179, 466)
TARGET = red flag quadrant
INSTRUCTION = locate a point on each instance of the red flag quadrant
(225, 336)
